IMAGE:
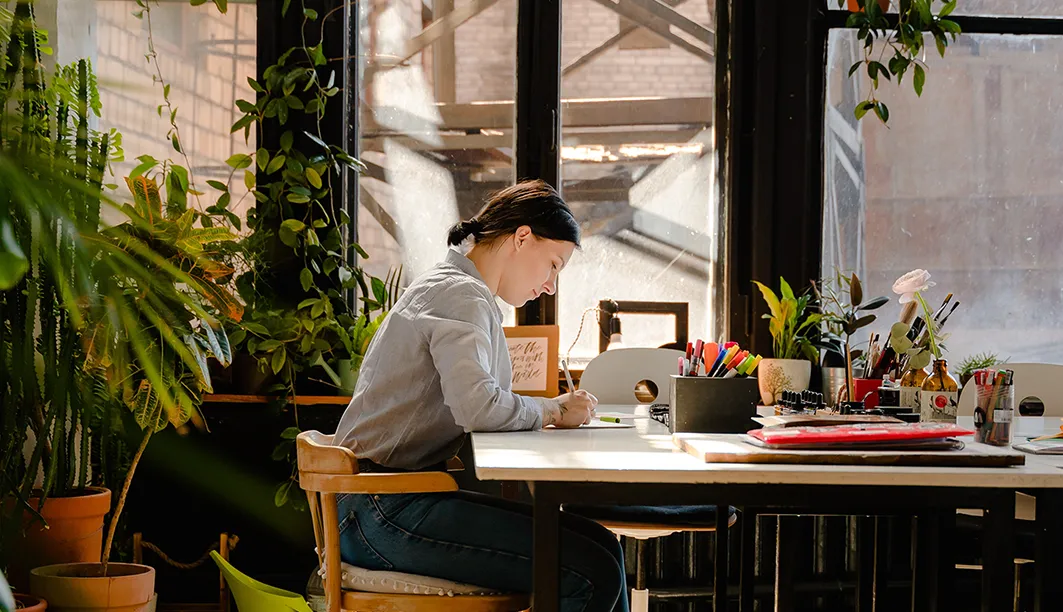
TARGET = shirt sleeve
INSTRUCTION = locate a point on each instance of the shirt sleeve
(461, 347)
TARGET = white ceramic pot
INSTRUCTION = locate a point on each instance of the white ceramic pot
(777, 375)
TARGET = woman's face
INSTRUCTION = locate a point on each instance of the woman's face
(532, 266)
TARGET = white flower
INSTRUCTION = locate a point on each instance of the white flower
(907, 285)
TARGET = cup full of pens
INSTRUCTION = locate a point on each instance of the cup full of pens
(714, 390)
(718, 360)
(995, 409)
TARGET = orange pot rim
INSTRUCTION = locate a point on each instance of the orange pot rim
(57, 571)
(26, 598)
(96, 503)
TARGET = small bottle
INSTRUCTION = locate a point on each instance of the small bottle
(939, 395)
(911, 383)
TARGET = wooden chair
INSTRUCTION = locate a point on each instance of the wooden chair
(325, 471)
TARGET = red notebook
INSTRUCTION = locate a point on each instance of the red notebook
(865, 433)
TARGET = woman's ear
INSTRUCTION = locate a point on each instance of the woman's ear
(522, 236)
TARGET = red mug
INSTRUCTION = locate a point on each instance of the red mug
(866, 391)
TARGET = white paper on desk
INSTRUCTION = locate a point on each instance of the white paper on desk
(596, 424)
(621, 415)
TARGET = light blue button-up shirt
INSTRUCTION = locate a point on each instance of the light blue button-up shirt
(437, 368)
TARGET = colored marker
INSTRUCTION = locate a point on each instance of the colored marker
(727, 357)
(708, 355)
(609, 419)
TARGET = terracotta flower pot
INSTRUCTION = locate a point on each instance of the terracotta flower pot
(74, 533)
(854, 7)
(81, 587)
(29, 603)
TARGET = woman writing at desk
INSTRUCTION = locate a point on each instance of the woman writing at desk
(439, 368)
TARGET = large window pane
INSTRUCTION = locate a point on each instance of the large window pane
(206, 58)
(965, 183)
(436, 124)
(637, 163)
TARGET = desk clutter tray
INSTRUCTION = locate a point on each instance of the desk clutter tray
(742, 448)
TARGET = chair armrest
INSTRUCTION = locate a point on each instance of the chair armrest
(378, 483)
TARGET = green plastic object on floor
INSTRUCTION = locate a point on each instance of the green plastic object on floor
(254, 596)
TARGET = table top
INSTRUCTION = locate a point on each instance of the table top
(646, 454)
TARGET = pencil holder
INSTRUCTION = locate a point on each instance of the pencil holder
(993, 414)
(700, 404)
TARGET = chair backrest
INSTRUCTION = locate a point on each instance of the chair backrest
(316, 453)
(613, 375)
(1041, 380)
(254, 596)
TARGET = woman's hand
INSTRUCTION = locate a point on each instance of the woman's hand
(571, 410)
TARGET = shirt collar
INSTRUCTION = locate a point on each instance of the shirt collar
(463, 263)
(457, 259)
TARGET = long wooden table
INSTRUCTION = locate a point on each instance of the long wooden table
(641, 465)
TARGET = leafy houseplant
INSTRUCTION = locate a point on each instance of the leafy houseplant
(90, 320)
(844, 312)
(356, 341)
(298, 227)
(979, 361)
(901, 37)
(52, 168)
(790, 324)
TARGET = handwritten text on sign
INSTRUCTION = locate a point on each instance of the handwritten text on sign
(529, 363)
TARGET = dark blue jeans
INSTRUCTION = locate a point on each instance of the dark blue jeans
(482, 540)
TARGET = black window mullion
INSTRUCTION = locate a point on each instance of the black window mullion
(976, 24)
(538, 115)
(352, 103)
(775, 156)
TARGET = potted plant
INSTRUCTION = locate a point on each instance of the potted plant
(902, 43)
(790, 324)
(45, 268)
(844, 312)
(980, 361)
(92, 319)
(173, 393)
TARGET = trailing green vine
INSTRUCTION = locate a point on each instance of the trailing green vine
(903, 42)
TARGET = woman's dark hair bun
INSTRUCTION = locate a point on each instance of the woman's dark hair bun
(532, 203)
(463, 230)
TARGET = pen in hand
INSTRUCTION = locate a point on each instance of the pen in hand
(568, 376)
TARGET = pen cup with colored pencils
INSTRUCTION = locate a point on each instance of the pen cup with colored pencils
(995, 407)
(702, 404)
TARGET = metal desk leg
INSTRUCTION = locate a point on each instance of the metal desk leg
(719, 565)
(546, 550)
(998, 554)
(1048, 590)
(747, 525)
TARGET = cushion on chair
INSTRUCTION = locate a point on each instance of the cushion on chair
(674, 516)
(372, 581)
